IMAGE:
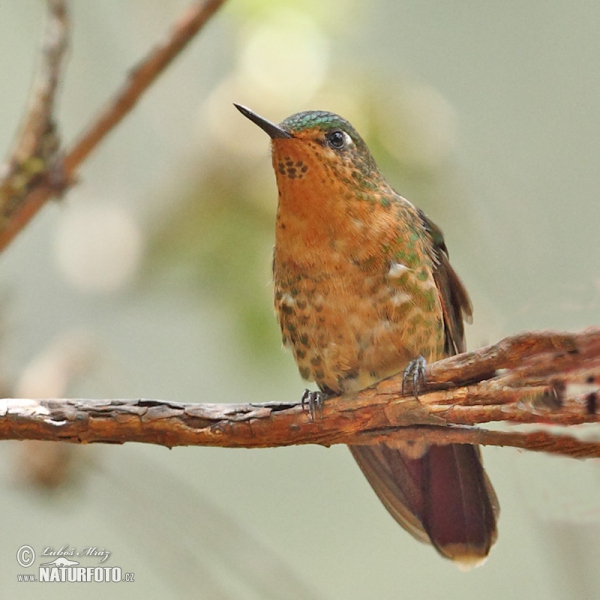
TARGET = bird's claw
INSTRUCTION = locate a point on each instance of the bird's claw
(313, 400)
(415, 373)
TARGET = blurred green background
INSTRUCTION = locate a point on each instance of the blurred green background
(152, 279)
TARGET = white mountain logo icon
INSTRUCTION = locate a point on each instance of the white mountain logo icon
(60, 562)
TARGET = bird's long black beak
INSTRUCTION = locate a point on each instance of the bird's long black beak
(273, 130)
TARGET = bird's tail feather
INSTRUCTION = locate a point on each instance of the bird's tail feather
(444, 497)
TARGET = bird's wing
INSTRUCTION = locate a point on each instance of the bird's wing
(455, 300)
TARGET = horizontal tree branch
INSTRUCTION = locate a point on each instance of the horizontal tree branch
(544, 378)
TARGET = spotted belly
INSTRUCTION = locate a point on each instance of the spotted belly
(347, 333)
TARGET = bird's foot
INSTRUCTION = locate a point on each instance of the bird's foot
(415, 374)
(313, 401)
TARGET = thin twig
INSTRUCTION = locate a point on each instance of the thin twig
(37, 145)
(137, 82)
(535, 378)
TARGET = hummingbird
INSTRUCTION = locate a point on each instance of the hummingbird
(363, 289)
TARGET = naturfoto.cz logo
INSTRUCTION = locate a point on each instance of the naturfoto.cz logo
(65, 569)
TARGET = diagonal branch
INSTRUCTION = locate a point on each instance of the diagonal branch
(139, 80)
(534, 378)
(38, 190)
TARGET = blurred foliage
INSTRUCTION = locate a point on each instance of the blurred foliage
(215, 242)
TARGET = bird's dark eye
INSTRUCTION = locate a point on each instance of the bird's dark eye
(337, 139)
